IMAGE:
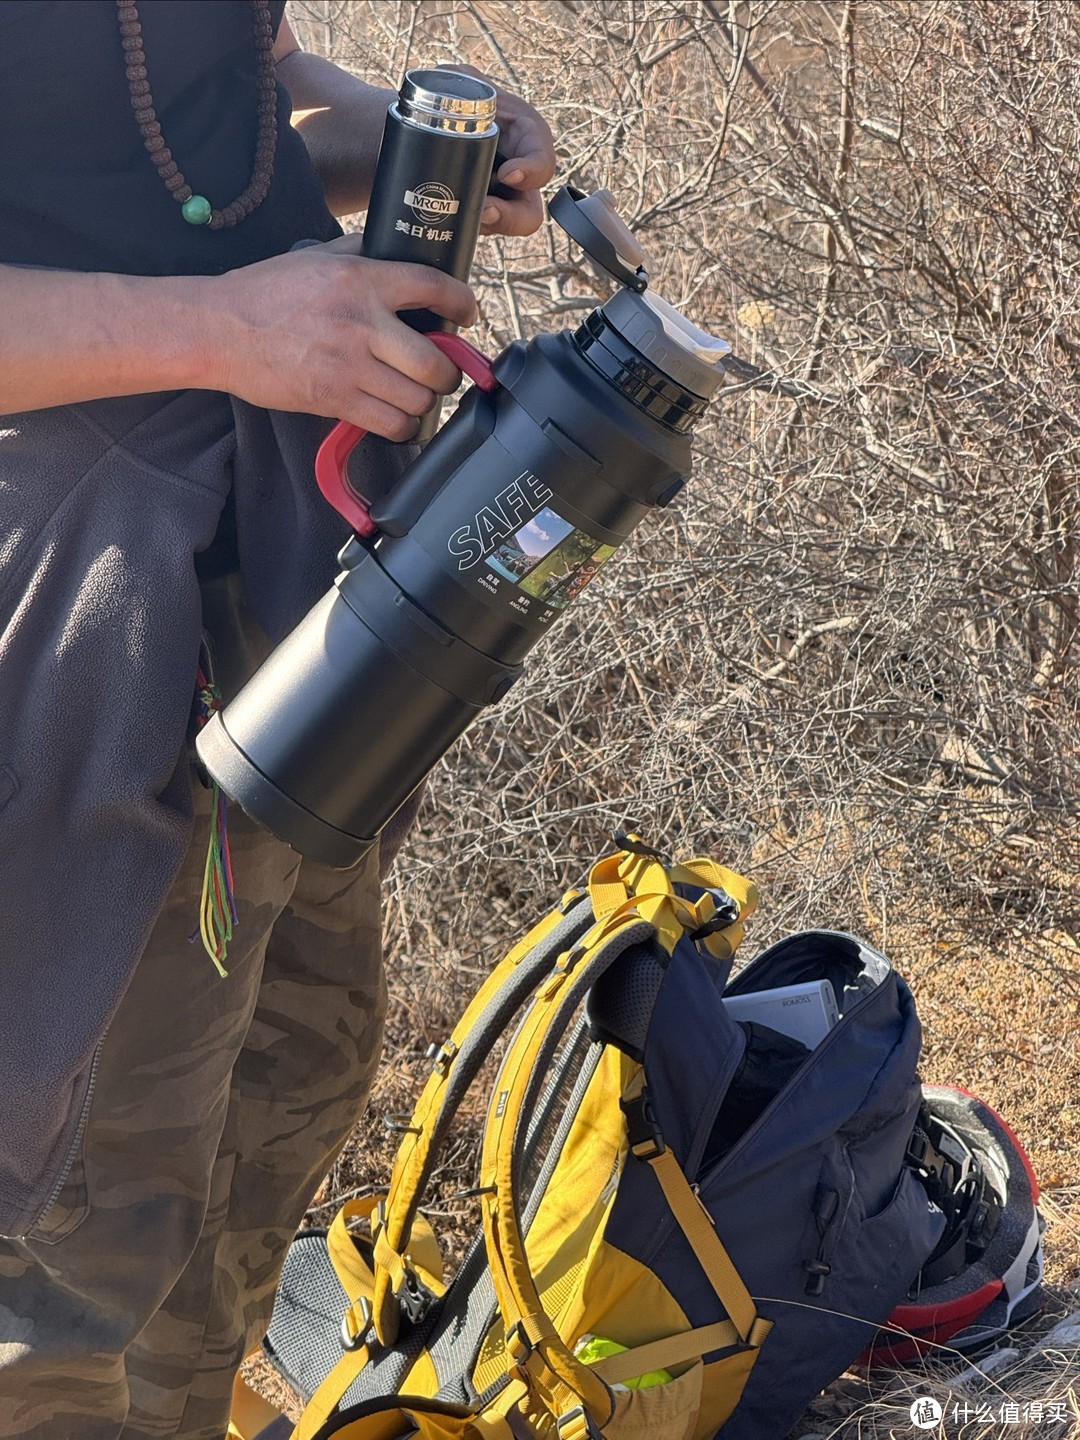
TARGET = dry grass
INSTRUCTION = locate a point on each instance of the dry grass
(845, 660)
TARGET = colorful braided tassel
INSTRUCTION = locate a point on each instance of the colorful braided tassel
(217, 907)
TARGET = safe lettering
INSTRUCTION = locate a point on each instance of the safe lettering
(507, 512)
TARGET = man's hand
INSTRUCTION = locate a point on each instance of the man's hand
(341, 121)
(316, 331)
(527, 143)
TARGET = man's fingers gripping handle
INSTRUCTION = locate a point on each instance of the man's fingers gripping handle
(331, 463)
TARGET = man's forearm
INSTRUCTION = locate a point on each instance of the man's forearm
(314, 330)
(67, 336)
(340, 119)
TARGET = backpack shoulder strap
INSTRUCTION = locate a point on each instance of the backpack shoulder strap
(456, 1063)
(532, 1342)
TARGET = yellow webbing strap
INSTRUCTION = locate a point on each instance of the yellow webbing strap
(625, 876)
(325, 1400)
(712, 1257)
(623, 883)
(414, 1153)
(417, 1416)
(401, 1416)
(388, 1261)
(703, 871)
(356, 1276)
(619, 877)
(563, 1381)
(663, 1354)
(249, 1413)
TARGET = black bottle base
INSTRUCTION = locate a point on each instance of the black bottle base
(272, 808)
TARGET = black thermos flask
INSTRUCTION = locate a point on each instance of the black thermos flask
(550, 461)
(432, 177)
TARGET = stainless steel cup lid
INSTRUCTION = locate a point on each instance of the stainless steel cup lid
(447, 100)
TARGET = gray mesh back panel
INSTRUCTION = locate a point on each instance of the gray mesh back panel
(303, 1342)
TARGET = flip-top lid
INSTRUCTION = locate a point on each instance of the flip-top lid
(594, 223)
(679, 349)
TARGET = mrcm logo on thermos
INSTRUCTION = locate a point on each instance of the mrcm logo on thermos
(432, 201)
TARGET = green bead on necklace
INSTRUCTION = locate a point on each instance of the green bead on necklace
(197, 210)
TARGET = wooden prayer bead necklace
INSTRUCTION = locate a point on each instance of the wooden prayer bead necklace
(196, 209)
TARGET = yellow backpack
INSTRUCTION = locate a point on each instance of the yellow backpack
(599, 1297)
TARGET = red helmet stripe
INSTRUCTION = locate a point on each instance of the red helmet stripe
(922, 1323)
(919, 1318)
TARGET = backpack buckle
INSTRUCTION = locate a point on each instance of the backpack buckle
(568, 900)
(415, 1297)
(577, 1424)
(568, 959)
(726, 913)
(352, 1334)
(517, 1343)
(378, 1218)
(642, 1129)
(442, 1056)
(817, 1270)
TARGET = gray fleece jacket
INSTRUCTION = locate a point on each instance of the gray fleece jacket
(102, 509)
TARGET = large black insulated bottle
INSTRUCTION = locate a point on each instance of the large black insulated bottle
(432, 177)
(549, 462)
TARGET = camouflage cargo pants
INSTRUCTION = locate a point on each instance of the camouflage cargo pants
(218, 1107)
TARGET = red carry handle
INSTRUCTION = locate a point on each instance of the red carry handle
(331, 463)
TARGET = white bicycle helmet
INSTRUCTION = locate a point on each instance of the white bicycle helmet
(986, 1271)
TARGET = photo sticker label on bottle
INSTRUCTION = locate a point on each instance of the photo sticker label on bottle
(527, 556)
(548, 560)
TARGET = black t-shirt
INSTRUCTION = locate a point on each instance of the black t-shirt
(77, 188)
